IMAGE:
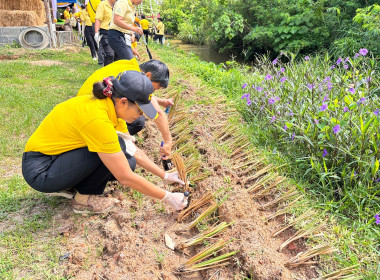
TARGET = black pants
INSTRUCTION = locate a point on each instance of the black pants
(159, 37)
(117, 42)
(136, 126)
(109, 54)
(89, 34)
(78, 168)
(146, 33)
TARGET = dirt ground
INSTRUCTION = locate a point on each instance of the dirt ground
(128, 243)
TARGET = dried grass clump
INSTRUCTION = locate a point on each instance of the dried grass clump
(22, 13)
(20, 18)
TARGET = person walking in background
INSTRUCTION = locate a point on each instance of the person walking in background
(67, 16)
(88, 32)
(102, 22)
(121, 28)
(160, 30)
(145, 26)
(92, 7)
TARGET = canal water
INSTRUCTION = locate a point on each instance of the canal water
(204, 52)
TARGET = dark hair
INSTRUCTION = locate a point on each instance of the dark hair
(159, 71)
(160, 19)
(143, 16)
(97, 91)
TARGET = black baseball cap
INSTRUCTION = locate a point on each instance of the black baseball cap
(137, 87)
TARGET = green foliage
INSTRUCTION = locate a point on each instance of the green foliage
(258, 26)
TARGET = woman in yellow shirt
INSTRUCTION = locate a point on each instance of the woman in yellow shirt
(89, 32)
(145, 26)
(160, 27)
(121, 28)
(76, 145)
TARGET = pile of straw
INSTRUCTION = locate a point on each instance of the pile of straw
(22, 13)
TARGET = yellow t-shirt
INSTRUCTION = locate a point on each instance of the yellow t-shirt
(79, 122)
(123, 8)
(66, 15)
(144, 24)
(85, 18)
(160, 28)
(104, 14)
(92, 5)
(112, 69)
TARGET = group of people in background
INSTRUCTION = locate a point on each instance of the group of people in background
(112, 29)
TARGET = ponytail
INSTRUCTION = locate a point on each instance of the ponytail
(103, 89)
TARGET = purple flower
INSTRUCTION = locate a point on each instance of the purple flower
(345, 109)
(274, 62)
(244, 86)
(324, 153)
(339, 61)
(352, 90)
(316, 121)
(273, 119)
(332, 67)
(369, 79)
(293, 135)
(281, 53)
(245, 95)
(283, 79)
(282, 70)
(347, 59)
(329, 85)
(259, 89)
(262, 107)
(336, 129)
(326, 98)
(249, 102)
(285, 127)
(377, 217)
(327, 79)
(307, 58)
(291, 113)
(357, 55)
(345, 66)
(355, 173)
(362, 99)
(310, 86)
(323, 107)
(376, 112)
(268, 77)
(363, 52)
(271, 101)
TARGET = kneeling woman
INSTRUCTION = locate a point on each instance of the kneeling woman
(77, 146)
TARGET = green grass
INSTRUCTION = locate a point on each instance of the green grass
(350, 218)
(28, 93)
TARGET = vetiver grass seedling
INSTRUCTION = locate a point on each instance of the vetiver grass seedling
(304, 258)
(194, 263)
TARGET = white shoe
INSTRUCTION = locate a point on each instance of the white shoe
(66, 194)
(94, 59)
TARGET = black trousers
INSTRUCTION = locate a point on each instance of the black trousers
(136, 126)
(159, 37)
(108, 51)
(78, 168)
(146, 33)
(116, 40)
(89, 34)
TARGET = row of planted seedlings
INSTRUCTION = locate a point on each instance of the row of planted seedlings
(271, 190)
(201, 215)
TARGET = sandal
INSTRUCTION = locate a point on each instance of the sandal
(95, 205)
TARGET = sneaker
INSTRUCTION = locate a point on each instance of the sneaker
(95, 205)
(67, 193)
(94, 59)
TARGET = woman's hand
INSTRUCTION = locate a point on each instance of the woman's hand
(173, 178)
(177, 201)
(138, 30)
